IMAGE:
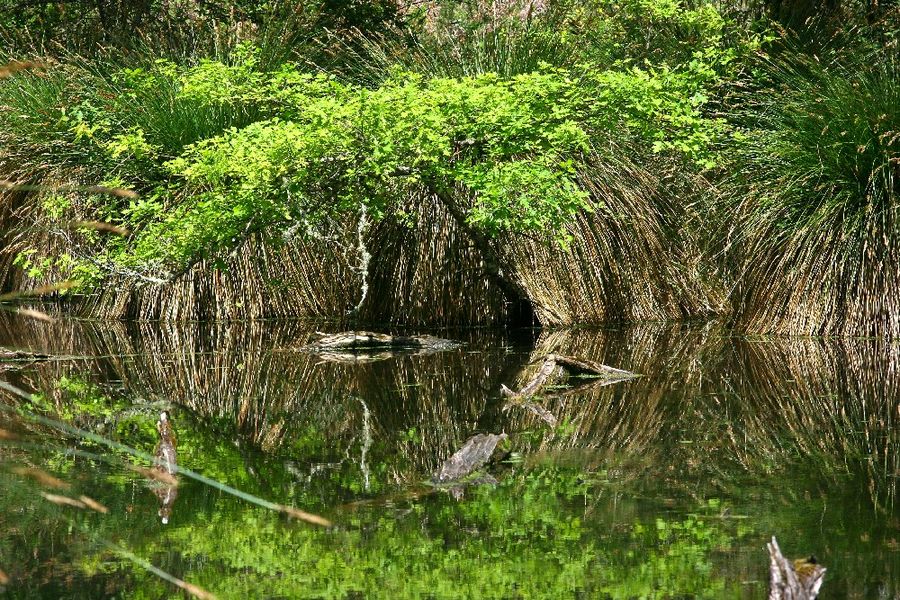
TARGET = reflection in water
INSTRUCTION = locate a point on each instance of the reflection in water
(791, 437)
(165, 466)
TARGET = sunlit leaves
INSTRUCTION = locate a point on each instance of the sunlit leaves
(513, 144)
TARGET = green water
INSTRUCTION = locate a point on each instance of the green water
(667, 486)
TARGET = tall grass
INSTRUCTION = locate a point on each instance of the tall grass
(511, 48)
(106, 119)
(813, 199)
(632, 258)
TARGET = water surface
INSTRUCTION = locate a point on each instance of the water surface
(664, 486)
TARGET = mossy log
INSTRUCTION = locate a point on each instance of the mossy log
(797, 580)
(475, 453)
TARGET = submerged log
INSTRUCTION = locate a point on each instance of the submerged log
(351, 341)
(474, 454)
(797, 580)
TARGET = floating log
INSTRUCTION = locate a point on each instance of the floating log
(474, 454)
(797, 580)
(580, 366)
(352, 341)
(553, 364)
(8, 354)
(572, 366)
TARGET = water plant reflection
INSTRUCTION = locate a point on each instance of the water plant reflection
(165, 466)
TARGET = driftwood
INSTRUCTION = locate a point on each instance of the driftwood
(8, 354)
(797, 580)
(474, 454)
(572, 366)
(552, 364)
(576, 366)
(361, 341)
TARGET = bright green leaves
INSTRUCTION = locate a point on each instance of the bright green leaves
(507, 149)
(663, 108)
(526, 195)
(511, 142)
(662, 33)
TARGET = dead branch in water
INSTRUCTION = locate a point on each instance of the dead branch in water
(573, 366)
(797, 580)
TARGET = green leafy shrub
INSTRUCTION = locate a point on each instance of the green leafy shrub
(512, 143)
(518, 131)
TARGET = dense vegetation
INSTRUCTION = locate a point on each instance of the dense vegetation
(564, 163)
(447, 162)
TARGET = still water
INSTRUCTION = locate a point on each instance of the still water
(666, 486)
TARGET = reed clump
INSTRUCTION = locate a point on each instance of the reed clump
(813, 199)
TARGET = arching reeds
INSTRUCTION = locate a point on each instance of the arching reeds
(632, 259)
(813, 200)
